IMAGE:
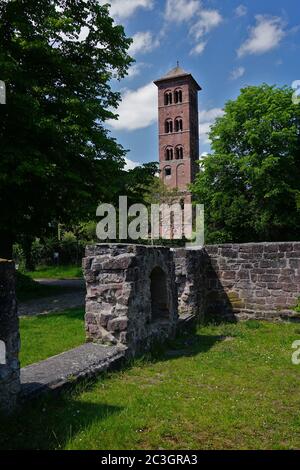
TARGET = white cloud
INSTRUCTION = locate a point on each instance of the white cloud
(123, 9)
(210, 114)
(143, 42)
(134, 70)
(198, 49)
(201, 21)
(264, 36)
(207, 119)
(181, 10)
(241, 10)
(138, 109)
(130, 164)
(203, 155)
(237, 73)
(207, 20)
(84, 32)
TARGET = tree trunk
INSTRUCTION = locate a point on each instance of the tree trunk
(6, 245)
(27, 245)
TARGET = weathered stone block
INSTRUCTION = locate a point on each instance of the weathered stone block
(118, 324)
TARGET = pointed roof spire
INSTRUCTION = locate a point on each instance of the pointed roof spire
(177, 72)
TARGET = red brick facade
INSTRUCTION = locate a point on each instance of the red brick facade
(178, 128)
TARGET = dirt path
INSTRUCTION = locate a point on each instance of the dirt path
(73, 297)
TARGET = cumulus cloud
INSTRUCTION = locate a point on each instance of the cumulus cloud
(143, 41)
(237, 73)
(264, 36)
(207, 20)
(137, 110)
(241, 10)
(130, 164)
(207, 119)
(181, 10)
(123, 9)
(201, 20)
(199, 48)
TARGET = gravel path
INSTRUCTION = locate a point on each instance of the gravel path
(74, 297)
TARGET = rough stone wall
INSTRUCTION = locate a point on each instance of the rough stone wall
(260, 281)
(119, 304)
(189, 269)
(9, 339)
(229, 282)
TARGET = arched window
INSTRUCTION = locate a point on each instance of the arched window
(178, 96)
(178, 125)
(167, 171)
(168, 98)
(179, 153)
(169, 153)
(168, 126)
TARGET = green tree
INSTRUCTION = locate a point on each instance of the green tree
(250, 184)
(138, 181)
(57, 160)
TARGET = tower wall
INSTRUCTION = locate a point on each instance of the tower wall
(183, 170)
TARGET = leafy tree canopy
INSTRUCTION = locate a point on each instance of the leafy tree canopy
(57, 160)
(250, 184)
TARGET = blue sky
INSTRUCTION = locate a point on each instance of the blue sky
(225, 44)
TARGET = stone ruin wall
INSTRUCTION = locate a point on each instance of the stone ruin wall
(189, 269)
(240, 281)
(254, 280)
(9, 339)
(119, 301)
(228, 282)
(135, 292)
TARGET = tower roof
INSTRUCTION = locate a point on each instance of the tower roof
(177, 72)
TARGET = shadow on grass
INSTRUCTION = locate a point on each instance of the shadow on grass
(184, 346)
(70, 314)
(51, 421)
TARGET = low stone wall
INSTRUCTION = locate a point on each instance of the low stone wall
(9, 339)
(229, 282)
(131, 295)
(255, 280)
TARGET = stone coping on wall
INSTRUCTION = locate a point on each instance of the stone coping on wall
(59, 371)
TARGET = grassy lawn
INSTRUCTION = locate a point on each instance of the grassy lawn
(56, 272)
(228, 387)
(47, 335)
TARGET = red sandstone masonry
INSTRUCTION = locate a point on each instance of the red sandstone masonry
(182, 171)
(259, 281)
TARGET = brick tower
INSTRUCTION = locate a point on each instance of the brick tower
(178, 129)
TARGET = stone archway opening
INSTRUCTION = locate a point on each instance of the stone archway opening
(159, 295)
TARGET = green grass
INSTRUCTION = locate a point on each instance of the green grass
(228, 387)
(297, 307)
(56, 272)
(47, 335)
(28, 289)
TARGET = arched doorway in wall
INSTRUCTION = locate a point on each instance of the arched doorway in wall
(159, 295)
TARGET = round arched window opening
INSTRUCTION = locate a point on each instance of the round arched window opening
(159, 295)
